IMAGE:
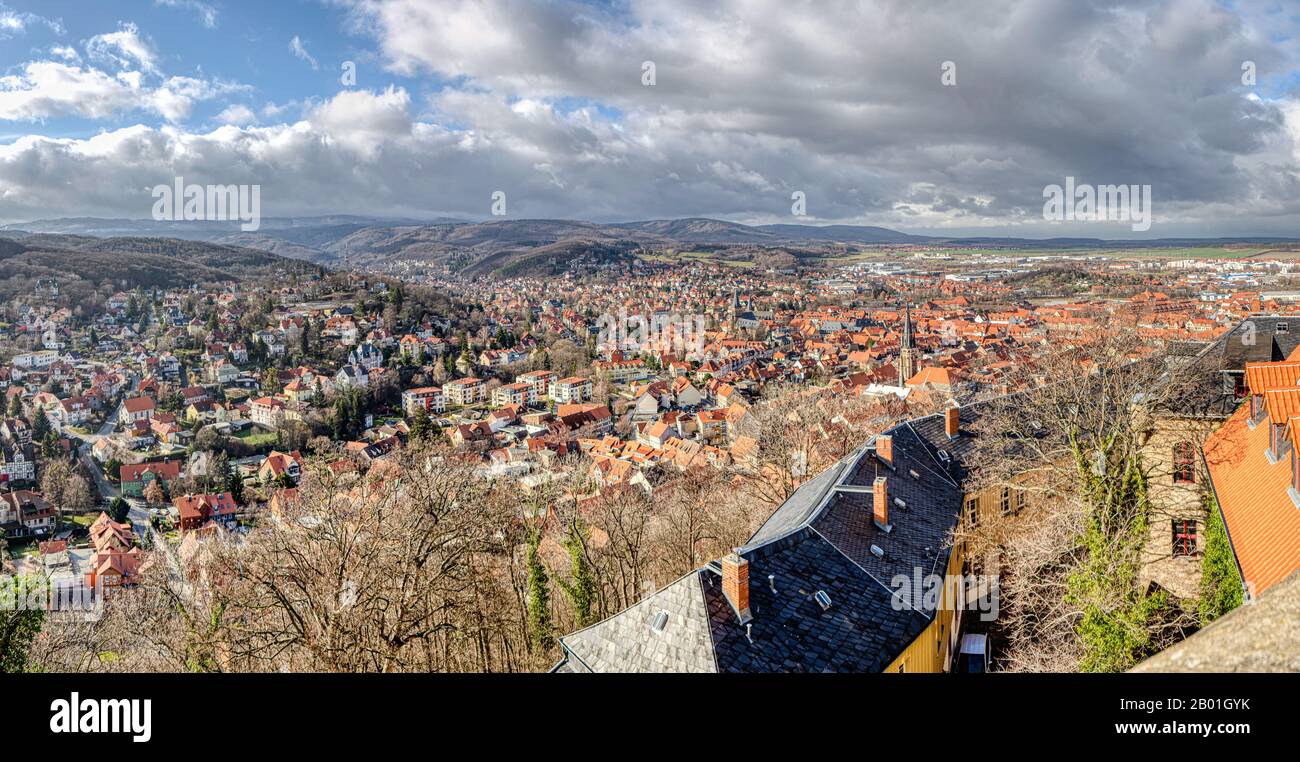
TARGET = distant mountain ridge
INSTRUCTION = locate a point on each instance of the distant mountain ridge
(138, 261)
(500, 245)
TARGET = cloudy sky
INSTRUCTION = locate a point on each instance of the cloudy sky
(752, 100)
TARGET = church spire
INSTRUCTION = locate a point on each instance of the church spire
(906, 349)
(907, 327)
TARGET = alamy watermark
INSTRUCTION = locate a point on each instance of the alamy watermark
(1115, 203)
(59, 597)
(930, 592)
(90, 715)
(193, 202)
(678, 334)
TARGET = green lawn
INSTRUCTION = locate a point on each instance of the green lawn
(21, 548)
(256, 438)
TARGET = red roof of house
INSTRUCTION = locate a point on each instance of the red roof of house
(138, 404)
(167, 470)
(1263, 522)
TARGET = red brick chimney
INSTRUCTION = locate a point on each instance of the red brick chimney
(951, 421)
(735, 584)
(880, 500)
(885, 448)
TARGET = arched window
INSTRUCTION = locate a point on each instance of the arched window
(1184, 463)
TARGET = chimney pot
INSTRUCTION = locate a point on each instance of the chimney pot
(735, 584)
(952, 421)
(880, 501)
(885, 448)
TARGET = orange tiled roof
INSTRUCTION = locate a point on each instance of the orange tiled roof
(1282, 404)
(1263, 523)
(1262, 376)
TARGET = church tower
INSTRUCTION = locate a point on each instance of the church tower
(907, 350)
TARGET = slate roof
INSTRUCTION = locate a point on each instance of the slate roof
(627, 642)
(820, 539)
(919, 533)
(862, 630)
(1257, 339)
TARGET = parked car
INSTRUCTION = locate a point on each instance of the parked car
(974, 654)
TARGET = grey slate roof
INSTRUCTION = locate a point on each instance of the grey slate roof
(820, 539)
(918, 543)
(862, 631)
(1257, 339)
(799, 507)
(626, 642)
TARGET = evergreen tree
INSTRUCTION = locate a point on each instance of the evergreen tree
(541, 630)
(40, 424)
(420, 425)
(234, 483)
(119, 510)
(357, 403)
(581, 588)
(341, 419)
(50, 445)
(15, 406)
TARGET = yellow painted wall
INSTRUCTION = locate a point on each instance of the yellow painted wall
(932, 649)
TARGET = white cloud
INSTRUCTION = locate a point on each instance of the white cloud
(66, 52)
(47, 89)
(237, 114)
(297, 47)
(125, 48)
(14, 23)
(206, 13)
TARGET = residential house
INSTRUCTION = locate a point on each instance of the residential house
(511, 394)
(366, 355)
(24, 513)
(281, 464)
(539, 383)
(465, 391)
(571, 389)
(197, 510)
(116, 560)
(17, 463)
(811, 590)
(267, 411)
(1253, 465)
(135, 409)
(428, 398)
(136, 477)
(352, 377)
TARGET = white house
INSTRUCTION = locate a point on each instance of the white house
(571, 389)
(428, 397)
(135, 409)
